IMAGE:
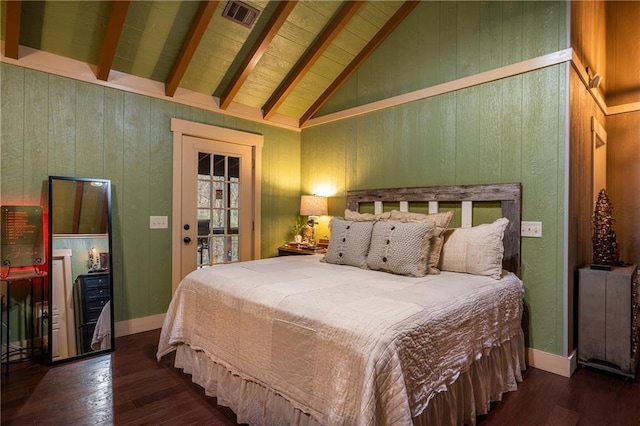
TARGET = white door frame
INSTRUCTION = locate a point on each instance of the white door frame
(205, 131)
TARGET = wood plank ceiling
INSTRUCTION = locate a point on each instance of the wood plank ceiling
(289, 62)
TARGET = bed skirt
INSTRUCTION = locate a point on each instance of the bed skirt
(471, 394)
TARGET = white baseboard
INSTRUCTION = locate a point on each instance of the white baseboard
(557, 364)
(139, 325)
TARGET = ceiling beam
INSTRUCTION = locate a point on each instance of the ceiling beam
(257, 50)
(111, 37)
(380, 36)
(12, 35)
(331, 31)
(197, 30)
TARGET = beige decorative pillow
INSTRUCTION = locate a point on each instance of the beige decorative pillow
(438, 223)
(349, 242)
(400, 248)
(365, 217)
(477, 250)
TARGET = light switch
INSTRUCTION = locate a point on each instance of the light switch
(158, 222)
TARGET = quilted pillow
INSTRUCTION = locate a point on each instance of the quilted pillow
(438, 223)
(349, 242)
(477, 250)
(399, 248)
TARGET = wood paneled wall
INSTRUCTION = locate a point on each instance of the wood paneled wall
(623, 176)
(512, 130)
(580, 252)
(53, 125)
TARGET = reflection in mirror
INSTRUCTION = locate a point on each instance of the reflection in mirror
(81, 284)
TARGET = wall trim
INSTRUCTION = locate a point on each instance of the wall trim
(597, 95)
(54, 64)
(139, 325)
(450, 86)
(71, 68)
(556, 364)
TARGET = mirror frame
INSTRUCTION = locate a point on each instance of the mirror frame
(109, 230)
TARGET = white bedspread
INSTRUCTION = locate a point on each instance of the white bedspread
(346, 345)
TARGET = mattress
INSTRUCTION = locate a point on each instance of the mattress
(340, 344)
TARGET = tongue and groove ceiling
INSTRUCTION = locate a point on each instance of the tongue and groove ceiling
(288, 63)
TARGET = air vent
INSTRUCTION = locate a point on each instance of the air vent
(240, 13)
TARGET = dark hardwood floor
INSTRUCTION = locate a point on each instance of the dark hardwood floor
(129, 387)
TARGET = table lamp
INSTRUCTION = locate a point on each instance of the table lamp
(312, 206)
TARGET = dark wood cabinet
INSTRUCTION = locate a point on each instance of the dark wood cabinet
(91, 292)
(608, 319)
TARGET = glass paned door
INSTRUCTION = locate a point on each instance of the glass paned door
(216, 202)
(218, 208)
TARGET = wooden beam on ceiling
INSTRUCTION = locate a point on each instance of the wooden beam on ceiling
(111, 38)
(276, 21)
(380, 36)
(324, 40)
(12, 35)
(197, 30)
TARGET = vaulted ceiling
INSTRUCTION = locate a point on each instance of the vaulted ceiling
(287, 63)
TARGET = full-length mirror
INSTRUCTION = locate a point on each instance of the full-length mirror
(81, 320)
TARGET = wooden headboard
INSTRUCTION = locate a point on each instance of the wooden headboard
(508, 194)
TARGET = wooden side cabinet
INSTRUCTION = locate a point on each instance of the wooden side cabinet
(608, 319)
(91, 293)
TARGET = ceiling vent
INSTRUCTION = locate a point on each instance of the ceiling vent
(240, 13)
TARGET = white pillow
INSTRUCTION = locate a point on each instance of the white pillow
(349, 242)
(477, 250)
(399, 248)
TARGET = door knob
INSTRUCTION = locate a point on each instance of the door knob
(186, 227)
(186, 240)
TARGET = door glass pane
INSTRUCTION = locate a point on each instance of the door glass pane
(234, 195)
(204, 193)
(219, 167)
(204, 164)
(234, 169)
(204, 252)
(233, 221)
(218, 195)
(218, 221)
(232, 252)
(217, 250)
(218, 209)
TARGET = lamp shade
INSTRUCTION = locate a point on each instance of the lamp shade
(313, 205)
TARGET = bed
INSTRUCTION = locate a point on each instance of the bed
(325, 340)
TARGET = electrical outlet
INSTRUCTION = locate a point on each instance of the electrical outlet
(158, 222)
(531, 229)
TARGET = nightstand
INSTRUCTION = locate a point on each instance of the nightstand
(294, 251)
(608, 319)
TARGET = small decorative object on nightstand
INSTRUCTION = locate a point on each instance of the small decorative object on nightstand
(608, 319)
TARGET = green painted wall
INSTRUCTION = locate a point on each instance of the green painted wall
(50, 125)
(505, 131)
(512, 130)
